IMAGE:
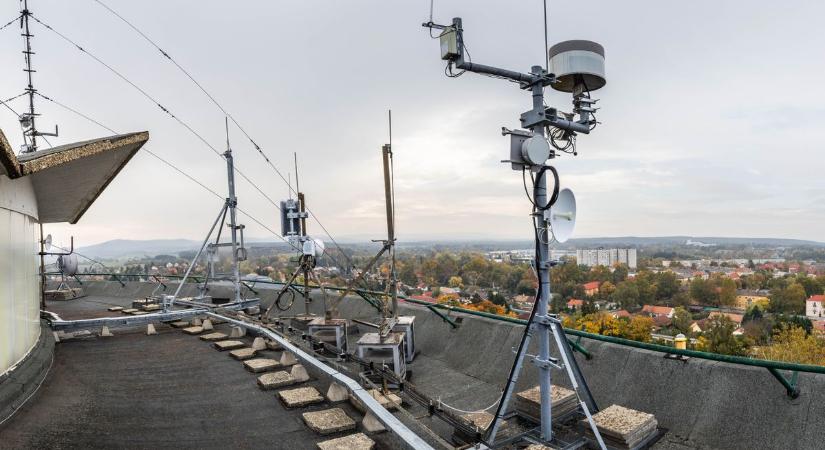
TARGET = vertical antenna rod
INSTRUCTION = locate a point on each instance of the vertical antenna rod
(232, 202)
(389, 195)
(305, 259)
(27, 121)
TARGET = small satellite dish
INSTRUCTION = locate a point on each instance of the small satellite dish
(67, 264)
(313, 247)
(47, 243)
(563, 216)
(319, 248)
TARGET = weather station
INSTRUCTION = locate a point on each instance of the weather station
(576, 67)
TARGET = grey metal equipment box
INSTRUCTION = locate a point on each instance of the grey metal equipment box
(517, 138)
(389, 351)
(449, 44)
(406, 325)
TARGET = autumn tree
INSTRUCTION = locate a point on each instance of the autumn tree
(639, 329)
(626, 295)
(718, 337)
(788, 300)
(682, 319)
(702, 291)
(455, 282)
(727, 292)
(793, 344)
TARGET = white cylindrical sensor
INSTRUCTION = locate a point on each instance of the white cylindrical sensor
(577, 61)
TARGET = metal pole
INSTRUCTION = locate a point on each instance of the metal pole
(30, 89)
(232, 202)
(543, 270)
(42, 271)
(386, 153)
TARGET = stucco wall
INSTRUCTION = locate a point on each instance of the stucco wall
(19, 292)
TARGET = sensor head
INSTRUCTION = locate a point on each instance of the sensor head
(577, 64)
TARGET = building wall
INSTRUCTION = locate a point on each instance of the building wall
(19, 281)
(607, 257)
(814, 310)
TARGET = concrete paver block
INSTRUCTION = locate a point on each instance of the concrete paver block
(273, 345)
(207, 325)
(258, 365)
(151, 307)
(299, 373)
(387, 400)
(56, 336)
(193, 330)
(273, 380)
(371, 423)
(116, 308)
(196, 322)
(150, 330)
(288, 359)
(228, 345)
(212, 337)
(358, 441)
(129, 310)
(237, 332)
(337, 393)
(140, 313)
(303, 396)
(259, 344)
(179, 324)
(242, 354)
(105, 332)
(329, 421)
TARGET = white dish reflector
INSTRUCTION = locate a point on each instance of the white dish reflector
(563, 216)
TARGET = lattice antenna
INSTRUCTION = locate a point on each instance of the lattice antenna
(28, 119)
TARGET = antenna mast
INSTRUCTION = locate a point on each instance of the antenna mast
(27, 120)
(232, 203)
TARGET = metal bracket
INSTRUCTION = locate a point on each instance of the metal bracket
(547, 363)
(790, 385)
(443, 316)
(374, 303)
(577, 347)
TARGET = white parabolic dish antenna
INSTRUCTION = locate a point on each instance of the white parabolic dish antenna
(563, 216)
(47, 243)
(67, 264)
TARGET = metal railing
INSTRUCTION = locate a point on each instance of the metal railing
(772, 366)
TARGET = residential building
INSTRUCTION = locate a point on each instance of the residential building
(575, 304)
(746, 299)
(735, 318)
(814, 307)
(656, 311)
(607, 257)
(591, 288)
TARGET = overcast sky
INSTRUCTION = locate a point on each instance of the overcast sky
(712, 115)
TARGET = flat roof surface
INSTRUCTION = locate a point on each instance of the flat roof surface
(168, 390)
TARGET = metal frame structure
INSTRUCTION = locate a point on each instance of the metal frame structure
(238, 250)
(543, 324)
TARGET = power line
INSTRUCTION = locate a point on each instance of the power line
(167, 163)
(156, 102)
(11, 22)
(227, 114)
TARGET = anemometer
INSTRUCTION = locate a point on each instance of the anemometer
(575, 67)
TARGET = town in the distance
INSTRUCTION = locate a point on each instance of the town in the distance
(752, 297)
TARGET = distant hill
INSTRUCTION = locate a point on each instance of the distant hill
(127, 248)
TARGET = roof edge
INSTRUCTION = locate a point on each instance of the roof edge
(37, 163)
